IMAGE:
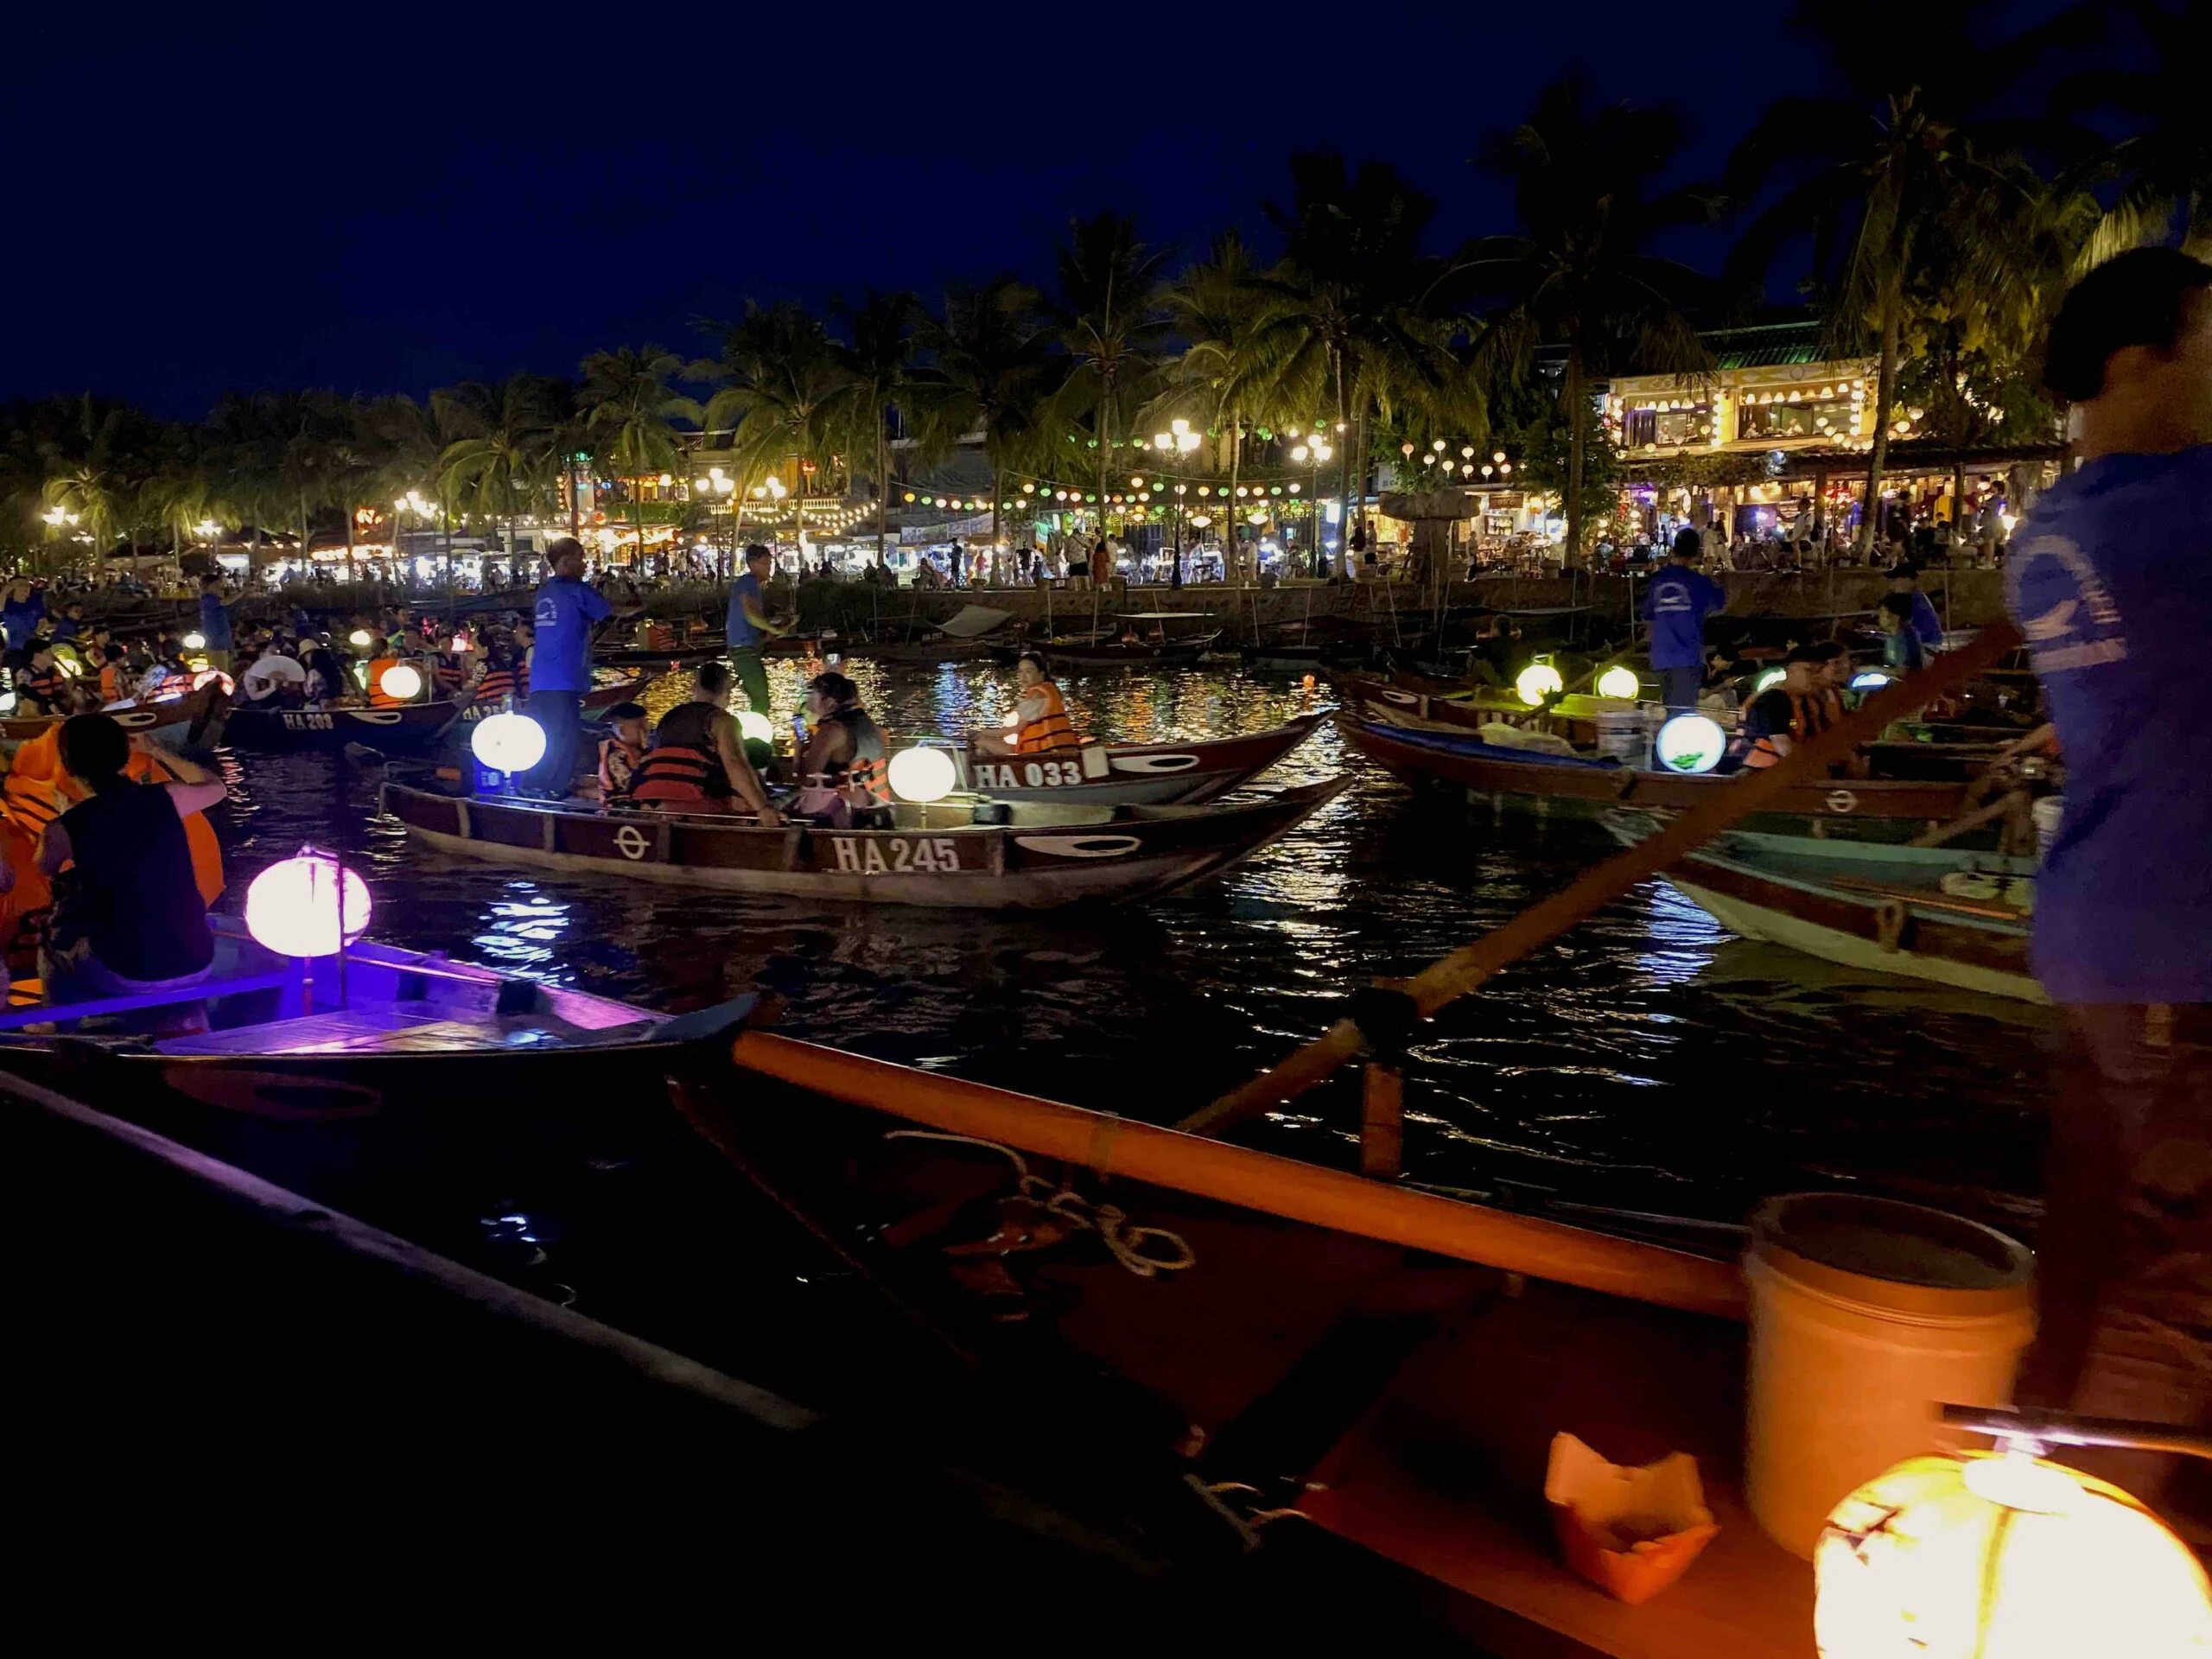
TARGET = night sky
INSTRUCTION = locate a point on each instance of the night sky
(388, 198)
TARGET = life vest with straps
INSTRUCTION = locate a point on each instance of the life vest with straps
(43, 686)
(114, 682)
(865, 780)
(1810, 713)
(682, 768)
(1050, 730)
(496, 685)
(618, 766)
(660, 636)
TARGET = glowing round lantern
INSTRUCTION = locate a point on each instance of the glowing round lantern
(196, 641)
(754, 727)
(8, 701)
(1871, 679)
(1620, 681)
(71, 665)
(307, 907)
(1691, 743)
(2000, 1556)
(508, 742)
(360, 638)
(921, 775)
(1767, 679)
(401, 682)
(1538, 681)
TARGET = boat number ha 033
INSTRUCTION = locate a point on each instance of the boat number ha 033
(299, 720)
(896, 855)
(1028, 774)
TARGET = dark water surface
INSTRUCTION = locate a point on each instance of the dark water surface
(1649, 1060)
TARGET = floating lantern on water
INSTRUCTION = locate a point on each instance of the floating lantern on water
(1691, 743)
(309, 906)
(1538, 681)
(196, 641)
(401, 682)
(2002, 1555)
(508, 743)
(921, 775)
(755, 726)
(1620, 681)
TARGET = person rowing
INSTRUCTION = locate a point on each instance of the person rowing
(845, 771)
(1041, 724)
(697, 761)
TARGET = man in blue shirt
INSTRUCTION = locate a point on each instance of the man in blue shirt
(21, 614)
(1676, 604)
(1927, 626)
(748, 625)
(214, 623)
(2107, 579)
(566, 611)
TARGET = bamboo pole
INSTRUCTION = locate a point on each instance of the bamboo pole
(1468, 968)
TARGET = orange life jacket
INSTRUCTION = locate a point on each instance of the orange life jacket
(1810, 713)
(38, 790)
(378, 698)
(1050, 730)
(498, 684)
(618, 766)
(659, 636)
(674, 776)
(112, 683)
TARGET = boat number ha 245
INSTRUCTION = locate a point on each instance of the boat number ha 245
(896, 855)
(1030, 774)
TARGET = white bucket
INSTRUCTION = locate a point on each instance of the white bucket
(1623, 733)
(1865, 1315)
(2046, 812)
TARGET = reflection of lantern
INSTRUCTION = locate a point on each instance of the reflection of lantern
(755, 726)
(508, 742)
(1538, 681)
(401, 682)
(307, 905)
(1620, 681)
(1691, 743)
(1999, 1554)
(921, 775)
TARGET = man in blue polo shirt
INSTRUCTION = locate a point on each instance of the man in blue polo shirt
(215, 622)
(1676, 604)
(748, 625)
(567, 610)
(1925, 625)
(2107, 579)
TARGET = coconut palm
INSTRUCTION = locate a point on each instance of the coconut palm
(1899, 164)
(991, 371)
(879, 373)
(784, 385)
(1581, 273)
(1110, 323)
(630, 410)
(498, 447)
(94, 466)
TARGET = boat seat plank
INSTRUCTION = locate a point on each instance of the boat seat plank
(42, 1013)
(1446, 1472)
(376, 1028)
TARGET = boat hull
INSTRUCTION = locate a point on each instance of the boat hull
(411, 729)
(180, 722)
(1091, 658)
(1135, 853)
(1147, 774)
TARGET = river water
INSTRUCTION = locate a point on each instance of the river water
(1648, 1061)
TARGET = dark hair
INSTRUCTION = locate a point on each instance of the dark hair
(626, 711)
(212, 576)
(2139, 298)
(1896, 605)
(94, 748)
(1827, 651)
(1035, 656)
(754, 550)
(114, 652)
(834, 686)
(1689, 544)
(561, 547)
(713, 677)
(1805, 654)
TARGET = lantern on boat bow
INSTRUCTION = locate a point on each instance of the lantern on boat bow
(403, 682)
(1538, 681)
(309, 906)
(508, 743)
(1691, 743)
(1620, 681)
(922, 775)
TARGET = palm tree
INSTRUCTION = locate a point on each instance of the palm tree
(499, 448)
(1579, 272)
(784, 382)
(1109, 322)
(2164, 165)
(1361, 305)
(629, 409)
(878, 371)
(991, 370)
(1875, 176)
(95, 464)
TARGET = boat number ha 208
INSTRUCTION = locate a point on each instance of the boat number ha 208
(896, 855)
(1028, 774)
(298, 721)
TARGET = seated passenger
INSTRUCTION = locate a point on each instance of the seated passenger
(621, 755)
(1786, 714)
(275, 680)
(128, 916)
(1901, 646)
(1041, 724)
(40, 681)
(845, 773)
(697, 761)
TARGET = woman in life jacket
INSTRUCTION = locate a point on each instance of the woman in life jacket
(498, 680)
(1786, 714)
(1040, 715)
(128, 914)
(845, 774)
(697, 761)
(621, 755)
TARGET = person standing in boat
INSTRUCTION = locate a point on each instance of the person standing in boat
(215, 622)
(845, 772)
(129, 916)
(2106, 578)
(1041, 724)
(1927, 626)
(566, 612)
(1676, 604)
(697, 761)
(748, 625)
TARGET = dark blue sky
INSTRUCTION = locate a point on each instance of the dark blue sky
(386, 198)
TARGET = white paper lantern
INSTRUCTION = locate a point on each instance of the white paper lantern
(1870, 679)
(402, 683)
(196, 641)
(1691, 743)
(508, 742)
(1620, 681)
(1538, 681)
(921, 775)
(752, 724)
(360, 638)
(295, 908)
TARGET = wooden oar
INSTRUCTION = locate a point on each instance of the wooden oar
(1446, 981)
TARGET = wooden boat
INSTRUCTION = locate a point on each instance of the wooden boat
(1356, 1362)
(1134, 773)
(450, 1048)
(1091, 655)
(1406, 700)
(179, 720)
(690, 657)
(1925, 913)
(411, 729)
(1047, 855)
(1571, 786)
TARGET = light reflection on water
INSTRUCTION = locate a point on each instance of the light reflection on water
(1648, 1059)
